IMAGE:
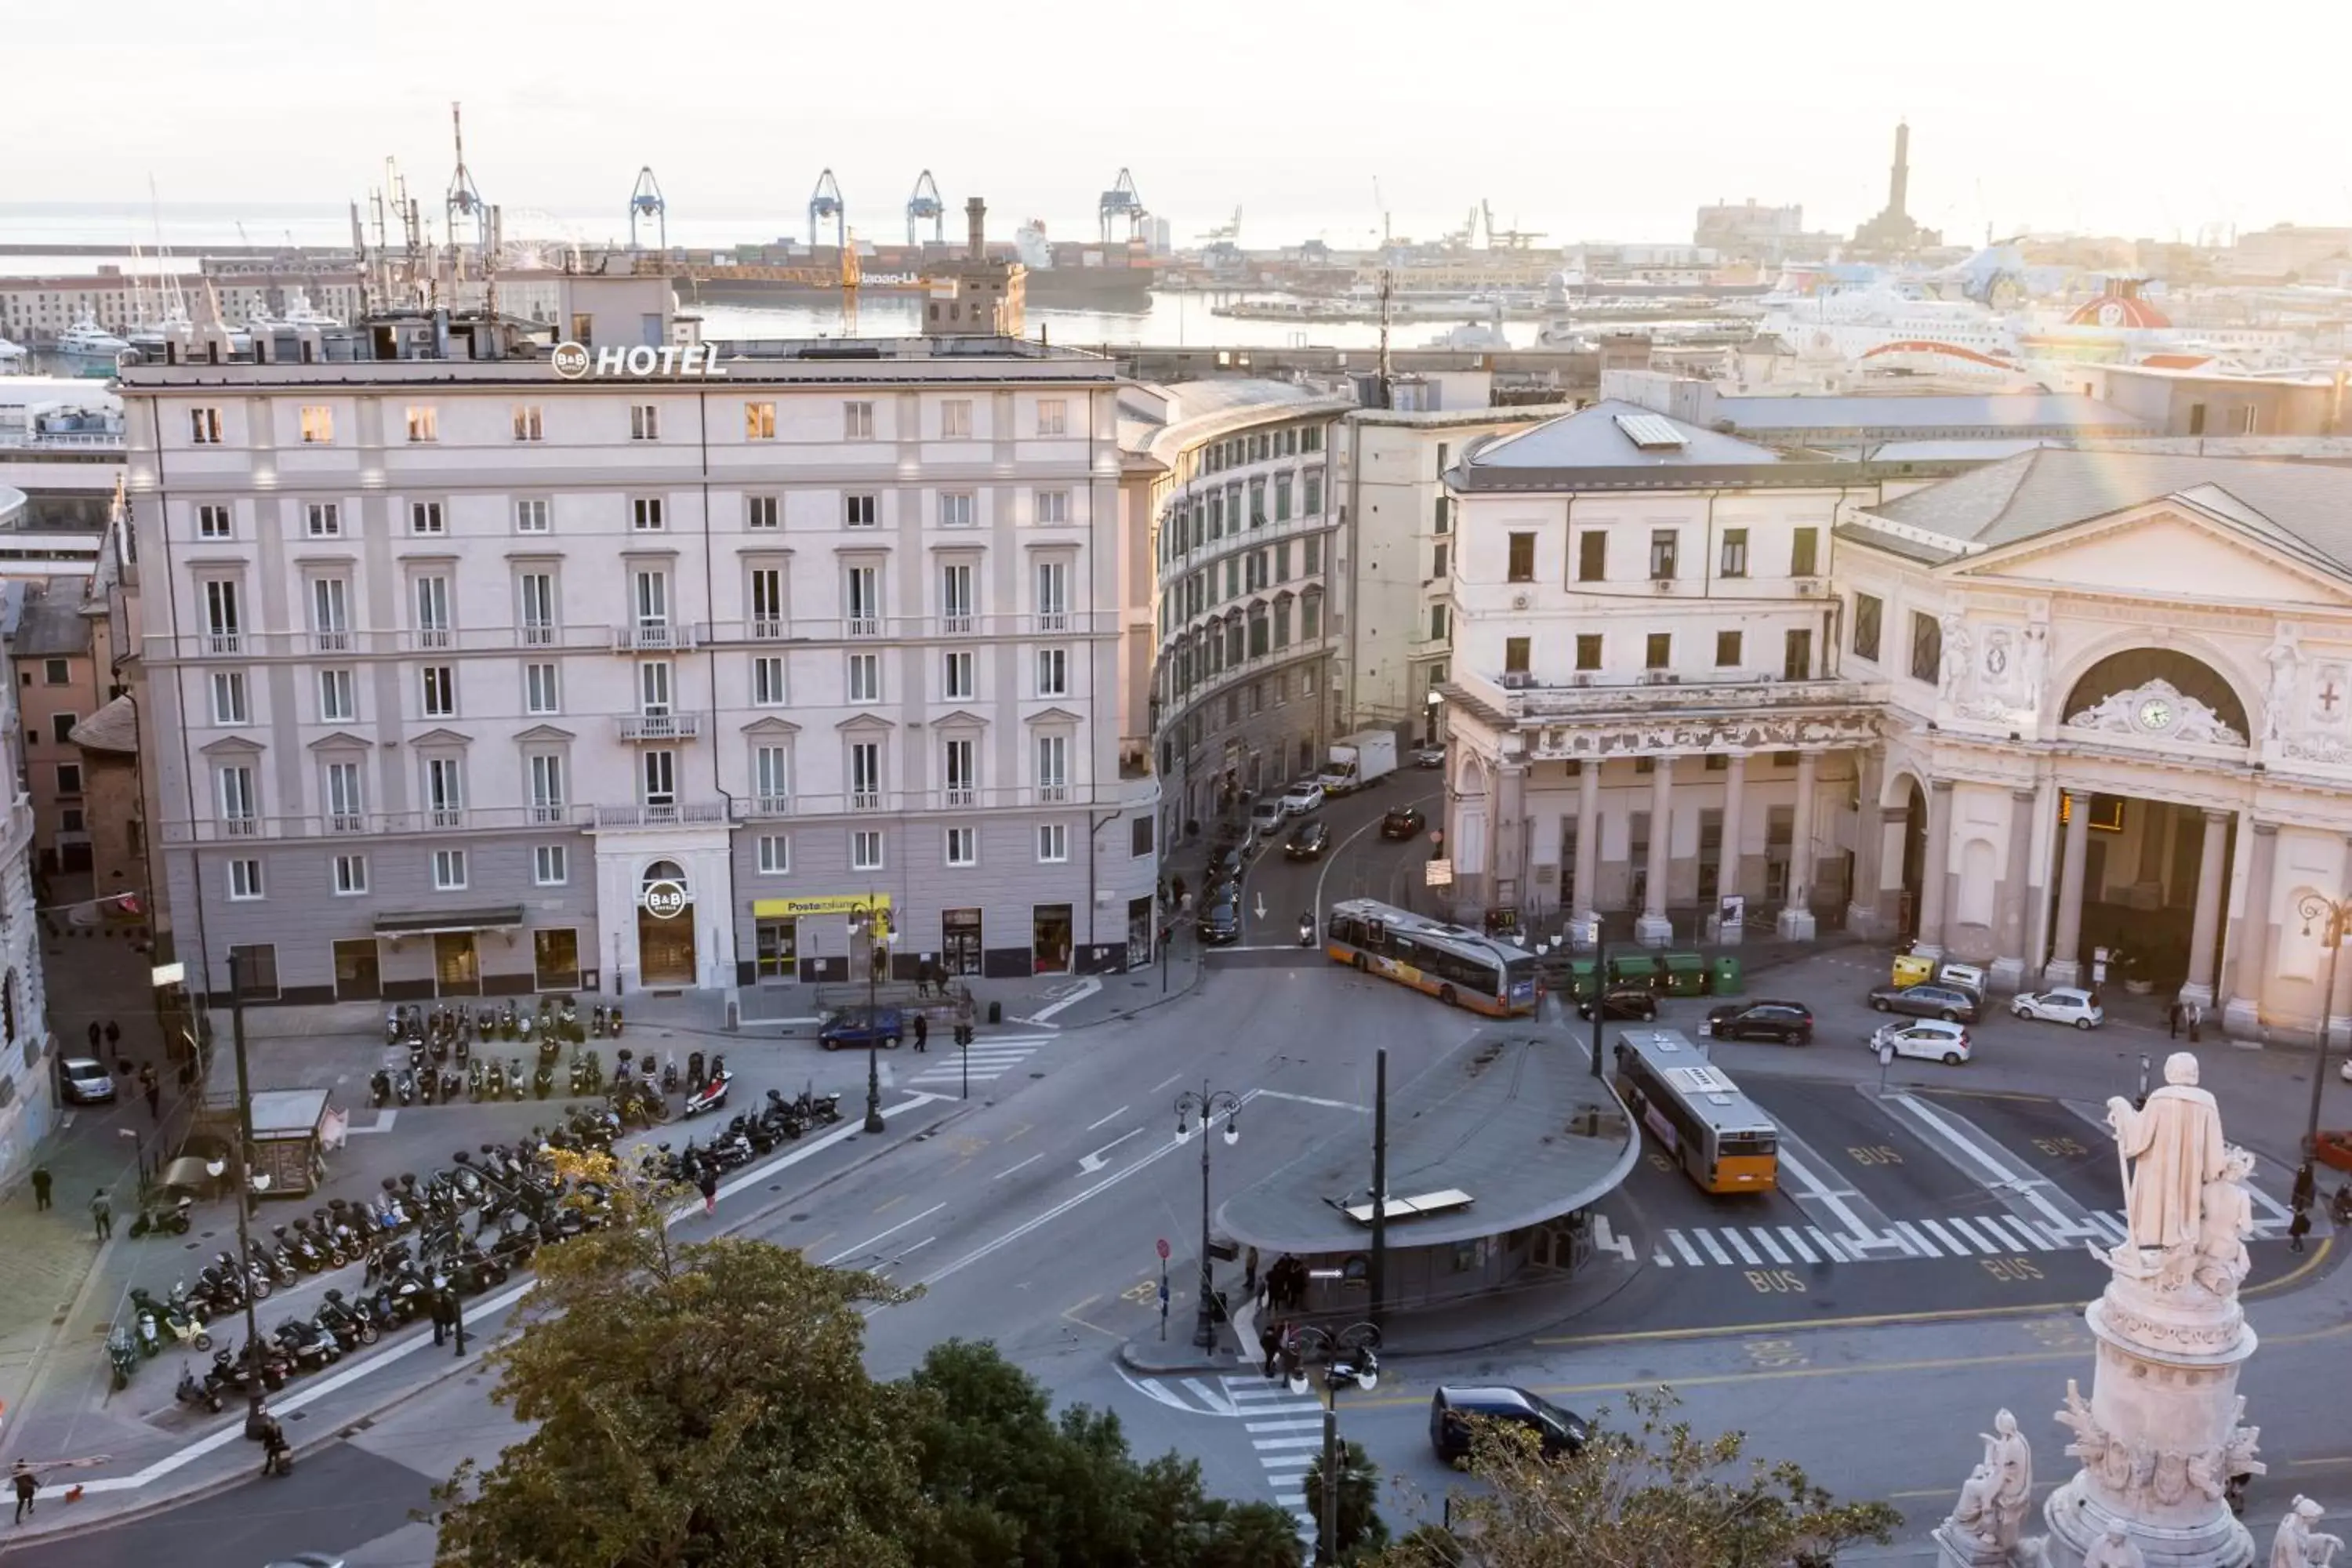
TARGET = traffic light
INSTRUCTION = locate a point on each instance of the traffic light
(963, 1034)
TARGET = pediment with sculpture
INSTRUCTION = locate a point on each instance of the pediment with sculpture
(2155, 710)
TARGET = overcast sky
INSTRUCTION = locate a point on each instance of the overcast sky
(1587, 121)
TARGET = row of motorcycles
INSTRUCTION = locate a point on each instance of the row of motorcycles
(746, 1137)
(427, 1079)
(442, 1030)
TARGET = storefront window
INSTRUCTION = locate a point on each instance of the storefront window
(779, 948)
(555, 959)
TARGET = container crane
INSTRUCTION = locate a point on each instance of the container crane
(1507, 238)
(646, 202)
(1121, 200)
(925, 204)
(852, 274)
(1225, 231)
(825, 202)
(464, 201)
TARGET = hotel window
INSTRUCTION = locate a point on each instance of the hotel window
(865, 775)
(1926, 647)
(857, 421)
(962, 771)
(955, 420)
(449, 871)
(963, 846)
(322, 520)
(1804, 552)
(771, 778)
(775, 855)
(957, 683)
(223, 627)
(1591, 556)
(244, 879)
(1515, 655)
(866, 849)
(1735, 554)
(1523, 558)
(1869, 610)
(336, 703)
(1053, 416)
(657, 780)
(445, 792)
(1797, 654)
(1053, 672)
(425, 517)
(955, 596)
(645, 514)
(550, 865)
(766, 588)
(1658, 650)
(1257, 503)
(762, 511)
(547, 788)
(535, 592)
(346, 798)
(1282, 498)
(1664, 545)
(1053, 580)
(531, 516)
(1052, 507)
(205, 427)
(1438, 562)
(351, 875)
(331, 624)
(1310, 439)
(653, 688)
(1053, 842)
(424, 423)
(768, 680)
(1437, 622)
(439, 683)
(238, 817)
(758, 422)
(862, 597)
(432, 598)
(526, 424)
(228, 697)
(1726, 649)
(1053, 767)
(1310, 554)
(861, 511)
(956, 509)
(1310, 501)
(644, 422)
(865, 678)
(541, 693)
(653, 605)
(318, 425)
(214, 522)
(1588, 650)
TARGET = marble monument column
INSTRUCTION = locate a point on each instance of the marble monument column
(1584, 922)
(1653, 930)
(2205, 924)
(1935, 870)
(2067, 945)
(1796, 917)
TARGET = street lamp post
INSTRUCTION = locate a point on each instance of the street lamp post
(1349, 1355)
(2334, 915)
(253, 1417)
(1207, 1105)
(876, 927)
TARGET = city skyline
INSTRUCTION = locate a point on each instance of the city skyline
(1607, 136)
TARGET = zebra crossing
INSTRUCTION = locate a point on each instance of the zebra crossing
(989, 1059)
(1286, 1432)
(1946, 1235)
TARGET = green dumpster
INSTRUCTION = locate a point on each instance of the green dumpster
(1685, 974)
(1581, 984)
(1636, 969)
(1728, 980)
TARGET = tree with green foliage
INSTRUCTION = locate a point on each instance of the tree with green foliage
(1647, 1494)
(1361, 1532)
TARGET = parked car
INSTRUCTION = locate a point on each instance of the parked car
(1637, 1003)
(1219, 924)
(1227, 865)
(1265, 816)
(2063, 1006)
(1783, 1023)
(1429, 756)
(1949, 1002)
(1302, 797)
(858, 1028)
(1930, 1037)
(1308, 840)
(1404, 822)
(1453, 1405)
(85, 1082)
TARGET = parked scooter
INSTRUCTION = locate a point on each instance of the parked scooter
(190, 1392)
(712, 1095)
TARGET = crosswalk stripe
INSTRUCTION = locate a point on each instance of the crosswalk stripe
(1797, 1244)
(1916, 1243)
(1764, 1239)
(2110, 1233)
(1746, 1254)
(1690, 1253)
(1287, 1424)
(1956, 1248)
(1300, 1457)
(2035, 1237)
(1262, 1443)
(1830, 1248)
(1975, 1239)
(1707, 1240)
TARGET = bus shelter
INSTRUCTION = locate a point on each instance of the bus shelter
(1496, 1155)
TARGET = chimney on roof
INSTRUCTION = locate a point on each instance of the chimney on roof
(975, 212)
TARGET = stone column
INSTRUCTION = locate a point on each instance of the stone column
(1727, 879)
(2066, 967)
(1509, 836)
(1935, 870)
(2009, 927)
(1584, 925)
(2205, 925)
(2243, 1016)
(1796, 917)
(1653, 930)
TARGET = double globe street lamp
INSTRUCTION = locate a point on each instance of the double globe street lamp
(1207, 1106)
(1346, 1355)
(2334, 917)
(874, 923)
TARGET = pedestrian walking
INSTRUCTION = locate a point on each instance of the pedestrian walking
(1269, 1340)
(2296, 1229)
(273, 1448)
(95, 1034)
(2306, 1187)
(445, 1314)
(2196, 1022)
(1249, 1272)
(2172, 1022)
(102, 1214)
(710, 1186)
(152, 1088)
(26, 1484)
(922, 1032)
(40, 1188)
(113, 1034)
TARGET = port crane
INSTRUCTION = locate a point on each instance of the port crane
(1507, 238)
(646, 202)
(825, 202)
(1121, 200)
(852, 274)
(464, 200)
(1225, 231)
(925, 204)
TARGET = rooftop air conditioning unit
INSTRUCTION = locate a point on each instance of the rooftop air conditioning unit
(1655, 678)
(1517, 680)
(1521, 601)
(1584, 679)
(1809, 587)
(1661, 585)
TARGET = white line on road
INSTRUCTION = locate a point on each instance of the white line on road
(1078, 994)
(1746, 1255)
(1832, 1199)
(1164, 1083)
(1211, 1397)
(2000, 1171)
(1690, 1253)
(1091, 1162)
(1112, 1117)
(1310, 1099)
(1715, 1251)
(1797, 1244)
(383, 1123)
(1023, 1166)
(1264, 1443)
(1287, 1424)
(1771, 1248)
(869, 1241)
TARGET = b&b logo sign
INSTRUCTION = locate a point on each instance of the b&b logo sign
(665, 900)
(577, 362)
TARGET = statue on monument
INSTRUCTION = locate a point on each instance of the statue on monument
(2298, 1544)
(2114, 1549)
(2009, 1457)
(1977, 1514)
(2228, 1220)
(2173, 1148)
(1956, 669)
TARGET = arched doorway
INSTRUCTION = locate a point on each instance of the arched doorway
(1915, 861)
(665, 926)
(2135, 669)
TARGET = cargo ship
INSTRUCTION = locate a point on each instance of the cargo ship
(1065, 276)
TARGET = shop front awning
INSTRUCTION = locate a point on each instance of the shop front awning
(496, 917)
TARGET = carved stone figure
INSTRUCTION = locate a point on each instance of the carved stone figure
(2114, 1549)
(2238, 1453)
(2032, 664)
(2009, 1457)
(2174, 1148)
(2228, 1219)
(1955, 655)
(2298, 1544)
(1975, 1513)
(2157, 710)
(2285, 657)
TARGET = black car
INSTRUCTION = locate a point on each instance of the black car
(1221, 919)
(1402, 823)
(1452, 1406)
(1227, 865)
(1308, 841)
(1949, 1002)
(1636, 1004)
(1783, 1023)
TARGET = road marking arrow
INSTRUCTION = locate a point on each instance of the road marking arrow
(1089, 1164)
(1260, 906)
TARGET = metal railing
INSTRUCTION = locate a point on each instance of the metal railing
(651, 637)
(660, 726)
(350, 824)
(1522, 696)
(667, 814)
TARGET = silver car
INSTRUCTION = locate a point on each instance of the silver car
(85, 1081)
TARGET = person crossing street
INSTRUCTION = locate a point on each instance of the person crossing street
(922, 1032)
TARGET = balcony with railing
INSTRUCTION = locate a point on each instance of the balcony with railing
(905, 628)
(659, 814)
(661, 726)
(360, 824)
(1520, 697)
(962, 795)
(804, 806)
(654, 637)
(1261, 532)
(343, 641)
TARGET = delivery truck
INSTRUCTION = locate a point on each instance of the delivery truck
(1364, 758)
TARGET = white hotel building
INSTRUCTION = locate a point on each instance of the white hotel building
(466, 677)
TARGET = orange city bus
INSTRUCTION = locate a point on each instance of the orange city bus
(1722, 1139)
(1458, 966)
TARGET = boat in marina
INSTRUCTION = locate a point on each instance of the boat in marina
(12, 357)
(299, 315)
(86, 340)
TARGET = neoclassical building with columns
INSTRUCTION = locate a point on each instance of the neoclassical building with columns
(2065, 704)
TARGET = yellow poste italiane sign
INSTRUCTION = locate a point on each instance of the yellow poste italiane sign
(821, 904)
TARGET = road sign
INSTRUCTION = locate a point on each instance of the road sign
(1163, 1250)
(1438, 874)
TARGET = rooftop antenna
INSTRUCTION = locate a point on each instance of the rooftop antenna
(1388, 293)
(646, 201)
